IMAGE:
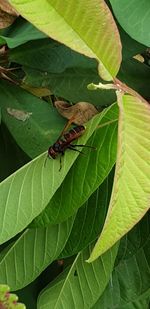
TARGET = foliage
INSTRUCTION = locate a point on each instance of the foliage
(51, 218)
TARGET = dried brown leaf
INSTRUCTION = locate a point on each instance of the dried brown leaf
(6, 7)
(79, 113)
(7, 14)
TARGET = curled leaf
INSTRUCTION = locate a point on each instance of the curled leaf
(79, 113)
(18, 114)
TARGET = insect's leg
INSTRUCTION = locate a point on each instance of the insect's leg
(60, 160)
(72, 148)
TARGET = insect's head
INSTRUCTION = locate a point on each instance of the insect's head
(52, 153)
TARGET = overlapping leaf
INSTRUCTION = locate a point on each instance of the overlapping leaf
(65, 72)
(85, 26)
(20, 33)
(71, 85)
(86, 174)
(89, 219)
(129, 285)
(31, 253)
(131, 192)
(80, 286)
(26, 193)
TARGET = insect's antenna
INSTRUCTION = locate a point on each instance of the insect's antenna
(45, 160)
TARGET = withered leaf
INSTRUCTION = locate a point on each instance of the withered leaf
(7, 14)
(6, 7)
(79, 113)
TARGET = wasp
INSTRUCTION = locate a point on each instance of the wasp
(65, 142)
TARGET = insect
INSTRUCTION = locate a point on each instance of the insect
(65, 142)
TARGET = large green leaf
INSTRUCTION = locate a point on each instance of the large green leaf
(129, 286)
(89, 219)
(26, 193)
(19, 33)
(85, 26)
(81, 285)
(86, 174)
(71, 84)
(65, 72)
(51, 56)
(131, 190)
(133, 16)
(92, 214)
(31, 253)
(40, 129)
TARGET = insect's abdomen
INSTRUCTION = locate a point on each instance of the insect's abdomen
(74, 133)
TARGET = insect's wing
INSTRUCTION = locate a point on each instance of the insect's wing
(74, 133)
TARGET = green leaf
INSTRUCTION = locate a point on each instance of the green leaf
(89, 219)
(31, 253)
(51, 56)
(133, 16)
(130, 47)
(136, 75)
(11, 156)
(19, 33)
(129, 284)
(86, 174)
(65, 72)
(85, 26)
(131, 191)
(71, 85)
(39, 130)
(81, 285)
(26, 193)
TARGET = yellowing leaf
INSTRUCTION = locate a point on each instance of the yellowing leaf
(85, 26)
(131, 192)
